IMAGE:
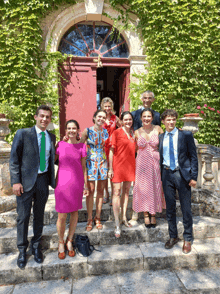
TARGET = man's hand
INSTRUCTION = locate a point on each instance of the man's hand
(18, 189)
(192, 183)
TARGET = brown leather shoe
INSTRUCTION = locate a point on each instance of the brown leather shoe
(171, 242)
(186, 247)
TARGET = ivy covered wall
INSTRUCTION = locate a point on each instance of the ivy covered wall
(182, 45)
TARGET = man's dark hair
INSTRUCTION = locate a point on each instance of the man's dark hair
(169, 112)
(43, 107)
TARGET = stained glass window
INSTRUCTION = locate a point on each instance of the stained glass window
(93, 39)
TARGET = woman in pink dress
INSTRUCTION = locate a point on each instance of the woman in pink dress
(71, 177)
(112, 121)
(148, 195)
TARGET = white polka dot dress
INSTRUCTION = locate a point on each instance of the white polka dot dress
(148, 194)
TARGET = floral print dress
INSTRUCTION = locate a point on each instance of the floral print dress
(96, 163)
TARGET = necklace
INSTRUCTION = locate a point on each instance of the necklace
(97, 130)
(128, 134)
(151, 129)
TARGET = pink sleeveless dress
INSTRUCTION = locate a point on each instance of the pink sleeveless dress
(148, 194)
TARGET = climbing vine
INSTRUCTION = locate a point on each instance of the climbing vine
(28, 73)
(182, 46)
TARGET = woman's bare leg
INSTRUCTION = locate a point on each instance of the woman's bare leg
(61, 225)
(72, 228)
(116, 202)
(124, 199)
(89, 199)
(106, 197)
(99, 197)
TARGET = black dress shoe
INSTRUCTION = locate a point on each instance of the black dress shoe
(148, 226)
(171, 242)
(22, 260)
(38, 255)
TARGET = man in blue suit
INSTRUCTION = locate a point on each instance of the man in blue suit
(179, 171)
(147, 99)
(32, 170)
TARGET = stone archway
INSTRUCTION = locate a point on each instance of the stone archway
(93, 10)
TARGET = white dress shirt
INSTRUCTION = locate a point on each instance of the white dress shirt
(166, 147)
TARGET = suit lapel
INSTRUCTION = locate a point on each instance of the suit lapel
(180, 137)
(161, 143)
(34, 140)
(161, 147)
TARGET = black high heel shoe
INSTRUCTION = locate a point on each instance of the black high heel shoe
(153, 225)
(147, 217)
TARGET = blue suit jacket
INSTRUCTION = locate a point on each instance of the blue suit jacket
(137, 119)
(25, 159)
(187, 156)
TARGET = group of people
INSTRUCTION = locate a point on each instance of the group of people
(133, 148)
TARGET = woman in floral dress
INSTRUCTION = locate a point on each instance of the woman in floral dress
(97, 166)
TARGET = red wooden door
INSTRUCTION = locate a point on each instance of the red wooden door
(124, 89)
(77, 94)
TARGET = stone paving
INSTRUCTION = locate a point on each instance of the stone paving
(154, 282)
(135, 263)
(112, 259)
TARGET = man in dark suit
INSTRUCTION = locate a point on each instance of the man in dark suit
(32, 171)
(179, 170)
(147, 99)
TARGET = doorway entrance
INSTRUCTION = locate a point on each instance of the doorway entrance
(81, 81)
(99, 67)
(109, 84)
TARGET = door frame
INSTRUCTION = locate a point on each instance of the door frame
(72, 62)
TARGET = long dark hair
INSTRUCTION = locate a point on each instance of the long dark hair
(96, 113)
(147, 109)
(128, 112)
(76, 124)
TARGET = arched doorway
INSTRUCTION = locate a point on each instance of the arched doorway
(99, 67)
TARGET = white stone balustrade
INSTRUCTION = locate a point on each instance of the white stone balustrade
(5, 151)
(209, 167)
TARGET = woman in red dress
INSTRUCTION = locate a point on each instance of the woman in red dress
(122, 167)
(112, 121)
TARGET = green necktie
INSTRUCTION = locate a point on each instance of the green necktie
(42, 152)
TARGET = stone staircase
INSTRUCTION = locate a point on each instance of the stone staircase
(139, 251)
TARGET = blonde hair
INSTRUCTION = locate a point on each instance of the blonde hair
(108, 100)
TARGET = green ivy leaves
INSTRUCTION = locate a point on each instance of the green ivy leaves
(182, 44)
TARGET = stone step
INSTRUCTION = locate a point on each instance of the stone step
(112, 260)
(145, 282)
(9, 218)
(203, 227)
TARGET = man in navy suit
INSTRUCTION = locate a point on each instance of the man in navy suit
(30, 180)
(147, 99)
(179, 171)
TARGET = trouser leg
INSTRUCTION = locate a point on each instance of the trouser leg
(169, 189)
(24, 203)
(184, 191)
(40, 199)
